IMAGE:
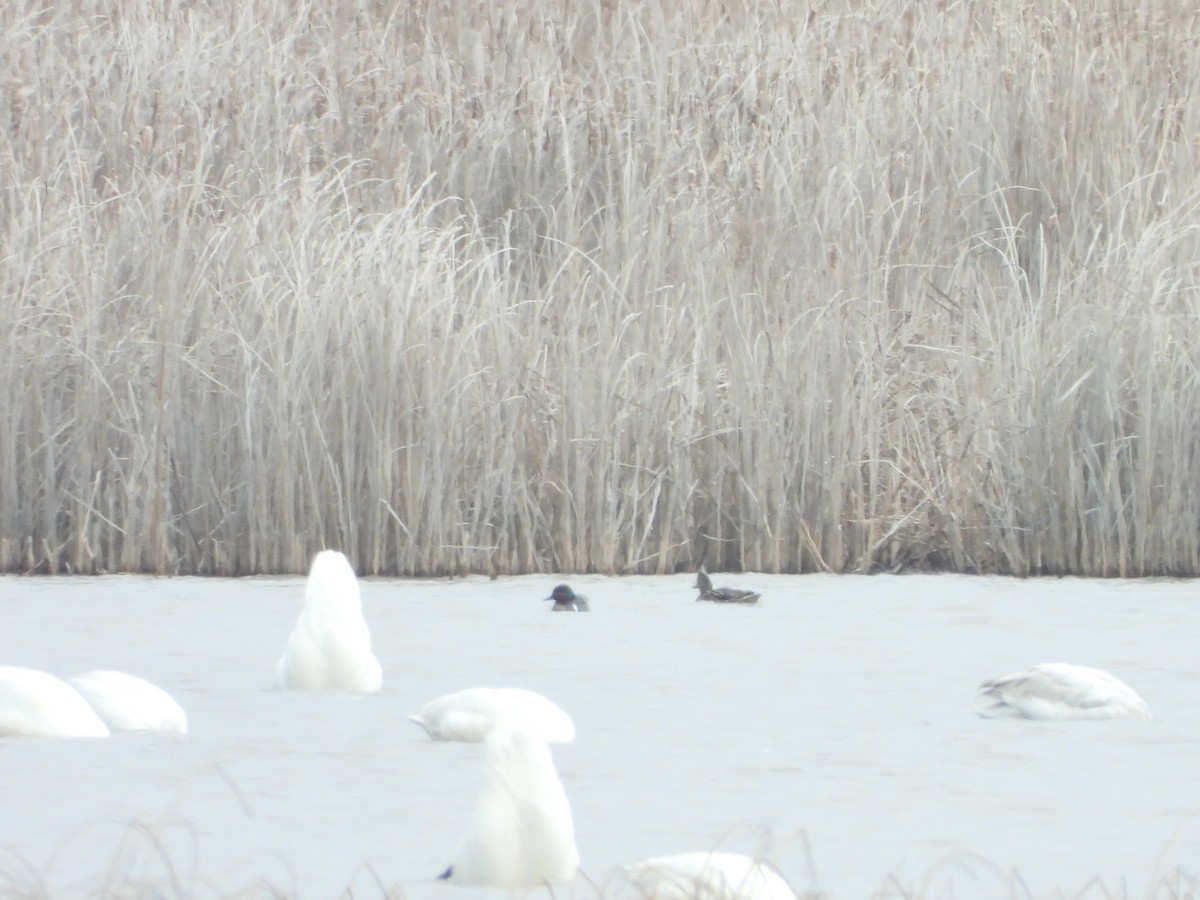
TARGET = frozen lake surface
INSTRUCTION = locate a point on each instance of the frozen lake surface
(832, 728)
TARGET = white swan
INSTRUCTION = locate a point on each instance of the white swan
(1062, 691)
(36, 703)
(470, 715)
(128, 703)
(521, 833)
(708, 876)
(330, 647)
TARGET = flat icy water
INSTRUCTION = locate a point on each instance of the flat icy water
(832, 728)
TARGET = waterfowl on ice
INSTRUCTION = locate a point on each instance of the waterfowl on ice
(472, 714)
(566, 600)
(330, 647)
(712, 876)
(128, 703)
(722, 595)
(1062, 691)
(34, 703)
(521, 833)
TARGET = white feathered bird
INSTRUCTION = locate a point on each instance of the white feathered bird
(37, 704)
(1062, 691)
(128, 703)
(521, 832)
(330, 647)
(470, 715)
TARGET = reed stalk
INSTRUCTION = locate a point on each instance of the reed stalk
(616, 287)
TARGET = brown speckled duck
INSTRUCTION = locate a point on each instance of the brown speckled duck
(722, 595)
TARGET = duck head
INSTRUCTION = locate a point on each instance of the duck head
(562, 595)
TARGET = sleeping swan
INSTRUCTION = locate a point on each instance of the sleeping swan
(330, 647)
(128, 703)
(711, 876)
(34, 703)
(470, 715)
(1062, 691)
(521, 833)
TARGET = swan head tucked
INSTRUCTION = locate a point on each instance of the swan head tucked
(472, 714)
(331, 591)
(1062, 691)
(521, 833)
(128, 703)
(329, 648)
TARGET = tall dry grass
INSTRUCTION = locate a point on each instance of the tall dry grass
(607, 285)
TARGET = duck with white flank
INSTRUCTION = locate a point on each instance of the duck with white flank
(566, 600)
(722, 595)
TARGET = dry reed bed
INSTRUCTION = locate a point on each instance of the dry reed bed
(616, 286)
(144, 866)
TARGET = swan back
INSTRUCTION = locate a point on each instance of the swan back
(329, 648)
(1062, 691)
(128, 703)
(34, 703)
(472, 714)
(708, 876)
(521, 832)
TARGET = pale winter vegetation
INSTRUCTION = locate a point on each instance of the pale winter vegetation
(607, 285)
(145, 865)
